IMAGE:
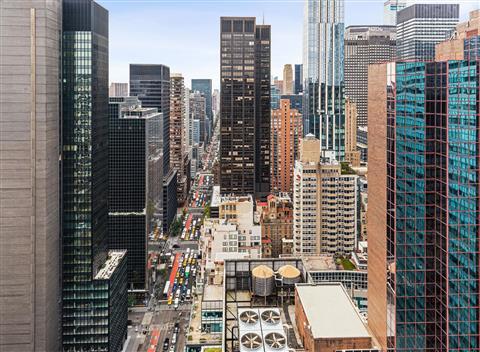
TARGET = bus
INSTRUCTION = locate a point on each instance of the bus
(165, 290)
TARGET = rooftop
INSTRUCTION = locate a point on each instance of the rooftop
(113, 259)
(319, 263)
(216, 196)
(213, 292)
(330, 311)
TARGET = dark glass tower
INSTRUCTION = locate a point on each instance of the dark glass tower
(151, 84)
(298, 79)
(135, 182)
(88, 289)
(245, 107)
(205, 86)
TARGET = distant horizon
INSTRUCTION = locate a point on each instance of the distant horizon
(185, 35)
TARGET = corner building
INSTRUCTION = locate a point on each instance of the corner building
(245, 107)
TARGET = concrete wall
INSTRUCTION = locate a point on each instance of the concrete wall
(29, 175)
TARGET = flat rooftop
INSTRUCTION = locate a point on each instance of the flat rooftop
(213, 293)
(319, 263)
(215, 197)
(111, 264)
(330, 311)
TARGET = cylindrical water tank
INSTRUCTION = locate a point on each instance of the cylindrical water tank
(289, 274)
(263, 281)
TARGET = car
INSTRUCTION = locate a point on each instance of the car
(172, 349)
(166, 343)
(175, 305)
(174, 339)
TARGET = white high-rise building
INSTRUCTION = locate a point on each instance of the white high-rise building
(390, 9)
(118, 89)
(325, 204)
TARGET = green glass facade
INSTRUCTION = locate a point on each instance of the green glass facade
(434, 196)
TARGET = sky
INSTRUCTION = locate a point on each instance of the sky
(184, 34)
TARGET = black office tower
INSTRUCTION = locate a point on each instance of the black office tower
(245, 107)
(298, 79)
(94, 287)
(151, 84)
(135, 183)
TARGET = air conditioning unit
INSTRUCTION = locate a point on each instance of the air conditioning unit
(248, 320)
(251, 342)
(275, 341)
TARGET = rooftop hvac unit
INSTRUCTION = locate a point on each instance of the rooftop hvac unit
(248, 320)
(275, 342)
(251, 341)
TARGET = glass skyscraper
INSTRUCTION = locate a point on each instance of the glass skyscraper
(94, 290)
(205, 86)
(323, 56)
(432, 170)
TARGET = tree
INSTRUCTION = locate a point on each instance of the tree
(131, 300)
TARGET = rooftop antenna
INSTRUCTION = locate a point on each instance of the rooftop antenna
(263, 17)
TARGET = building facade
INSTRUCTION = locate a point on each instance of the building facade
(287, 79)
(86, 315)
(204, 86)
(323, 74)
(365, 45)
(118, 90)
(245, 107)
(29, 189)
(390, 9)
(179, 157)
(421, 26)
(276, 220)
(286, 131)
(135, 183)
(198, 111)
(423, 212)
(151, 84)
(298, 85)
(352, 155)
(325, 204)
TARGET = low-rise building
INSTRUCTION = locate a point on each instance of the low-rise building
(327, 319)
(276, 220)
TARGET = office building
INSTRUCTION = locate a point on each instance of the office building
(287, 79)
(286, 131)
(274, 97)
(118, 90)
(276, 221)
(421, 26)
(245, 107)
(296, 101)
(298, 84)
(94, 279)
(151, 84)
(198, 111)
(328, 320)
(390, 9)
(216, 104)
(134, 184)
(464, 43)
(29, 172)
(278, 83)
(325, 204)
(352, 155)
(323, 61)
(423, 212)
(179, 158)
(365, 45)
(204, 86)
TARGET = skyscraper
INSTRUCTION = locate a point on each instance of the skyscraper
(204, 86)
(245, 107)
(324, 204)
(421, 26)
(323, 60)
(134, 184)
(287, 79)
(390, 9)
(298, 85)
(151, 84)
(423, 212)
(179, 158)
(94, 280)
(365, 45)
(286, 131)
(29, 172)
(118, 90)
(352, 155)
